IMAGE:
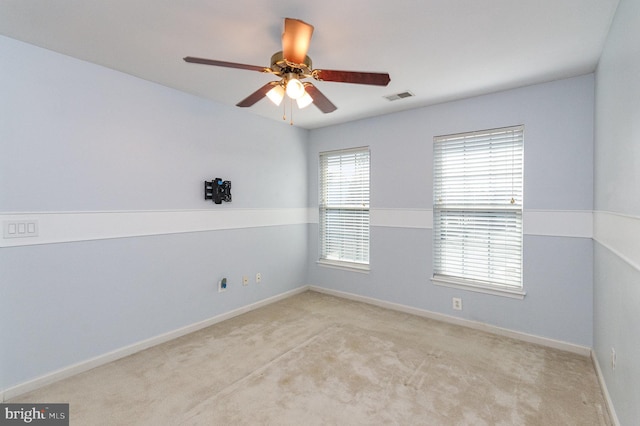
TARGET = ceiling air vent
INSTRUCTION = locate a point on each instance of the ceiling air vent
(400, 95)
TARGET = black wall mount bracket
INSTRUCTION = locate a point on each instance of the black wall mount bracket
(217, 190)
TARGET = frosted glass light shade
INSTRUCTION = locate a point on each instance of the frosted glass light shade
(304, 101)
(276, 94)
(295, 88)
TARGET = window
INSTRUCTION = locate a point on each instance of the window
(477, 211)
(344, 208)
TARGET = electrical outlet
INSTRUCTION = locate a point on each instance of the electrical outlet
(613, 359)
(245, 280)
(258, 277)
(222, 285)
(457, 303)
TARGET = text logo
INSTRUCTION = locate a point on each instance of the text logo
(34, 414)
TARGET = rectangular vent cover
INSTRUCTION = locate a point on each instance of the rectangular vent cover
(401, 95)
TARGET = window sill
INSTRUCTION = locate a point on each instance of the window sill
(346, 266)
(479, 288)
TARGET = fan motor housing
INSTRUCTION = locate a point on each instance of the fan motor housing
(280, 66)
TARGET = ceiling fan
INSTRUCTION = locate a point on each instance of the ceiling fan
(292, 65)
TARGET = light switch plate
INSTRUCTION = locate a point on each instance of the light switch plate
(19, 228)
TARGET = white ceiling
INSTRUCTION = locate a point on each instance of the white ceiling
(438, 49)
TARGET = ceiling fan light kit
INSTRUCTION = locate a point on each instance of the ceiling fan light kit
(292, 66)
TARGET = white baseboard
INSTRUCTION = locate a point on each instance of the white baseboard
(605, 391)
(530, 338)
(83, 366)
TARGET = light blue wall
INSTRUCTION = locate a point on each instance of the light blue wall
(80, 137)
(558, 119)
(617, 199)
(67, 303)
(76, 137)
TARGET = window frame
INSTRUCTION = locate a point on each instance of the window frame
(360, 261)
(475, 217)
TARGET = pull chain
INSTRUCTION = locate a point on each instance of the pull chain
(284, 110)
(291, 106)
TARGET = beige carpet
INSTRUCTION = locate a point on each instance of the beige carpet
(316, 359)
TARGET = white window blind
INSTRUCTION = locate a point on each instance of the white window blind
(477, 208)
(344, 206)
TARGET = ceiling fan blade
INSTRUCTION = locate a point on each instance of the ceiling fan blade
(295, 40)
(319, 99)
(203, 61)
(257, 95)
(372, 78)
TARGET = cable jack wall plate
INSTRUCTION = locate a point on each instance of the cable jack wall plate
(222, 285)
